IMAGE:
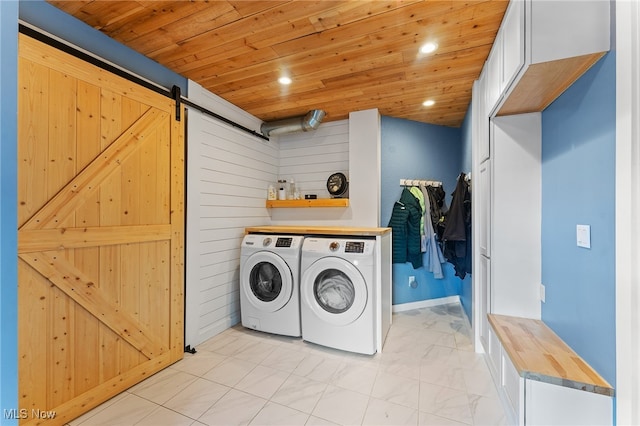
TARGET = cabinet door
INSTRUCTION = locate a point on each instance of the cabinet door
(484, 208)
(548, 404)
(481, 118)
(484, 299)
(494, 74)
(495, 356)
(513, 386)
(512, 30)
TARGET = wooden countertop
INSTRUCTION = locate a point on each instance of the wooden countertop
(318, 230)
(539, 354)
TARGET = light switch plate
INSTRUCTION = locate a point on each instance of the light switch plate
(583, 236)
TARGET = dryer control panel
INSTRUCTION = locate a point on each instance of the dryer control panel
(359, 247)
(354, 247)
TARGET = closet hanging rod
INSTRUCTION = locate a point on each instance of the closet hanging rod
(418, 182)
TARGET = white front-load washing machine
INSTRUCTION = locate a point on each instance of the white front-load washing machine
(269, 283)
(337, 297)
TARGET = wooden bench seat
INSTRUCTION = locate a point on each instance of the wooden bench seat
(539, 354)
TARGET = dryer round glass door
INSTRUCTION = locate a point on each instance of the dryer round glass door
(334, 290)
(266, 281)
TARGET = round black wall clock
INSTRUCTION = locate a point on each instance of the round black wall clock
(337, 185)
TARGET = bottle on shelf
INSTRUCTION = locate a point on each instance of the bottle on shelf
(292, 190)
(282, 189)
(271, 193)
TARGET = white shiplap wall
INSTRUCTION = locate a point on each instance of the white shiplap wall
(311, 157)
(228, 172)
(350, 146)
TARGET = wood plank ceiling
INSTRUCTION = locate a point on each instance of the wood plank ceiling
(342, 56)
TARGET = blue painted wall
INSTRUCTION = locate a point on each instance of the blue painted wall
(414, 150)
(578, 187)
(8, 209)
(56, 22)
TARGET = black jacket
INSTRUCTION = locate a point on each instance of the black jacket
(457, 231)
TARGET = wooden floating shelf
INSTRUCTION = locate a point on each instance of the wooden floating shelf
(319, 202)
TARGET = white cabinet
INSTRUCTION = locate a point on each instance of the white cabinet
(535, 403)
(541, 48)
(507, 54)
(549, 44)
(562, 29)
(541, 381)
(512, 39)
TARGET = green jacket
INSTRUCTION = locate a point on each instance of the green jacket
(405, 224)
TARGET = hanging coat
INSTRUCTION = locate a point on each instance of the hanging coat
(438, 208)
(405, 225)
(457, 231)
(420, 197)
(433, 258)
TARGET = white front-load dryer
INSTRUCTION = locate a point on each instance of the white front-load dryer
(269, 283)
(337, 297)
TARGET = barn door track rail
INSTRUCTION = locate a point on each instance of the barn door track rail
(173, 93)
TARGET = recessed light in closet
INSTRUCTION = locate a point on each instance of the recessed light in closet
(428, 103)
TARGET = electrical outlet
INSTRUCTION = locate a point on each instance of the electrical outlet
(412, 282)
(583, 236)
(542, 293)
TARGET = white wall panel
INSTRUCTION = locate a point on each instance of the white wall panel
(309, 158)
(228, 172)
(516, 194)
(364, 148)
(350, 146)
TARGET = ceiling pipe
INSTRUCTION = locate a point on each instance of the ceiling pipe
(303, 123)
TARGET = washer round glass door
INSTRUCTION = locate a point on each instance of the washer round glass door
(334, 290)
(266, 281)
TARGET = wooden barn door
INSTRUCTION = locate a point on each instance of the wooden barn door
(101, 234)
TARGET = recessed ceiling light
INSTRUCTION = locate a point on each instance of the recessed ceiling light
(284, 80)
(429, 102)
(428, 47)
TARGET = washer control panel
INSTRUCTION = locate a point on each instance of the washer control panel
(284, 242)
(273, 242)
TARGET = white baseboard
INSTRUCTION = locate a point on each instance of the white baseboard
(425, 303)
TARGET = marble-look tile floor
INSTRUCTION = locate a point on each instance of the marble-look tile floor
(427, 374)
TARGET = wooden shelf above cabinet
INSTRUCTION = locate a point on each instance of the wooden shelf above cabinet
(319, 202)
(542, 83)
